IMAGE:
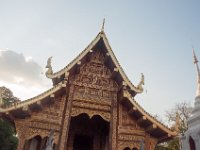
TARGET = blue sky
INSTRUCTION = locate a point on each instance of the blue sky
(151, 37)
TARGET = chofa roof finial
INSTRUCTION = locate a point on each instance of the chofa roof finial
(102, 27)
(49, 67)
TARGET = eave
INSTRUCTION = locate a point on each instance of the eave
(145, 120)
(24, 108)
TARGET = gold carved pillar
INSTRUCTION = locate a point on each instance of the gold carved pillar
(67, 118)
(21, 128)
(21, 143)
(113, 125)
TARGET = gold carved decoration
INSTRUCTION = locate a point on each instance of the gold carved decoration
(130, 144)
(90, 113)
(94, 88)
(126, 120)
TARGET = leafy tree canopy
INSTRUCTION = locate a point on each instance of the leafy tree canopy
(7, 97)
(177, 118)
(8, 140)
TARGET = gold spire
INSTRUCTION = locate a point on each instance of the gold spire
(102, 27)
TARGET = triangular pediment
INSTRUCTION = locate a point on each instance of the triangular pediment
(99, 43)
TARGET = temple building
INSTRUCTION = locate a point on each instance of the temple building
(91, 106)
(190, 140)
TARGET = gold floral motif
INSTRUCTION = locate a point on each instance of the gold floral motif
(90, 113)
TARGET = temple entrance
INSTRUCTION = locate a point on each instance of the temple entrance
(83, 142)
(88, 133)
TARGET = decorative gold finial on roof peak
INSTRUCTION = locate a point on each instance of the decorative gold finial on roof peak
(102, 27)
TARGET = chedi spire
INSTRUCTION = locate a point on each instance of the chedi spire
(198, 74)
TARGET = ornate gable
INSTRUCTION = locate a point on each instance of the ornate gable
(94, 79)
(94, 87)
(99, 43)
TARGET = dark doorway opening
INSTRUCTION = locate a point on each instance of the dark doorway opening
(192, 144)
(83, 142)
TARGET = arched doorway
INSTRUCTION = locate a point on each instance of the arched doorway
(192, 144)
(34, 143)
(88, 134)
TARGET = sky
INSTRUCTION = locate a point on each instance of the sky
(153, 37)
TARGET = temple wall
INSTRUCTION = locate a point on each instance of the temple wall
(40, 123)
(130, 134)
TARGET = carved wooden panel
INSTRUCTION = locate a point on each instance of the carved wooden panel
(91, 113)
(94, 88)
(51, 113)
(95, 75)
(40, 123)
(126, 120)
(129, 144)
(87, 93)
(130, 133)
(130, 137)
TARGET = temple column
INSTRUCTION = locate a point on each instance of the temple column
(67, 118)
(21, 143)
(113, 125)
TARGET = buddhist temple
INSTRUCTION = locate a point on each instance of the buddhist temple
(91, 106)
(190, 140)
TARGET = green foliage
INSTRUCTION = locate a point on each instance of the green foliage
(8, 140)
(7, 97)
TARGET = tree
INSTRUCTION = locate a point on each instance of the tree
(7, 97)
(177, 118)
(8, 139)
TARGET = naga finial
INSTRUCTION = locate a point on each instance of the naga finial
(141, 83)
(49, 71)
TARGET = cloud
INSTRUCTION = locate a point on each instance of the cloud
(15, 68)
